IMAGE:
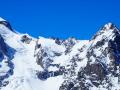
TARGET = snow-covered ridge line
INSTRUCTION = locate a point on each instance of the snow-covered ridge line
(55, 64)
(1, 19)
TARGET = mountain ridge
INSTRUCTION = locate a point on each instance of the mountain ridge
(55, 64)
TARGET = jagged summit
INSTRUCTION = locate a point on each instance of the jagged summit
(107, 31)
(109, 26)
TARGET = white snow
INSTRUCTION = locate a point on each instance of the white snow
(25, 66)
(108, 26)
(1, 19)
(50, 44)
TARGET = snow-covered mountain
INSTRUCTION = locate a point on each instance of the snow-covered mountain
(28, 63)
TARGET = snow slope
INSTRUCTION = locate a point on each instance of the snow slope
(25, 66)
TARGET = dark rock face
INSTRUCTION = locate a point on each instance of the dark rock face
(26, 39)
(39, 54)
(3, 48)
(6, 51)
(44, 58)
(69, 43)
(96, 71)
(115, 48)
(57, 40)
(46, 74)
(67, 86)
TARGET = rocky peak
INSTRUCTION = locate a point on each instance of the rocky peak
(109, 26)
(103, 60)
(103, 42)
(108, 31)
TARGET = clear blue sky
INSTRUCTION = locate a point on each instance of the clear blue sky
(60, 18)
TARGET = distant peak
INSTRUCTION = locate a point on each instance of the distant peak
(1, 19)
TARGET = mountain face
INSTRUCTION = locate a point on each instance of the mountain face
(28, 63)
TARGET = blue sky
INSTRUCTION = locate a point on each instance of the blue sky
(60, 18)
